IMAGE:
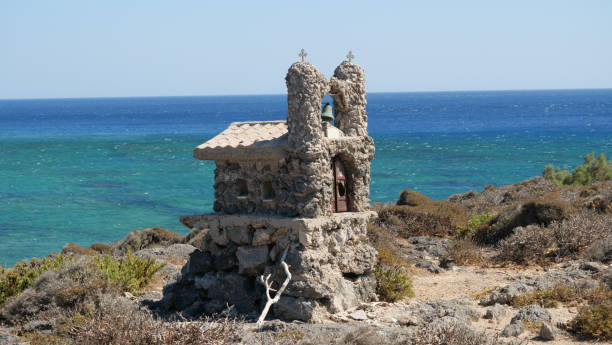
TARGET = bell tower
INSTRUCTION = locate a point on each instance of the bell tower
(306, 87)
(348, 92)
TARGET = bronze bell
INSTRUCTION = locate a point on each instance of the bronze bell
(327, 114)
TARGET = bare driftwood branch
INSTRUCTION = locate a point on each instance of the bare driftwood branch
(268, 286)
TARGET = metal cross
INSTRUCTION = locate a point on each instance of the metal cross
(303, 54)
(350, 56)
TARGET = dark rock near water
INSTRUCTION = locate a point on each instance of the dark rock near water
(147, 238)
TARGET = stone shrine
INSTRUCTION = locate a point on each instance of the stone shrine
(300, 185)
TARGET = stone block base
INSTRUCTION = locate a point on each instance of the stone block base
(329, 258)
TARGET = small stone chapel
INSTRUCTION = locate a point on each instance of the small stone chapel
(299, 185)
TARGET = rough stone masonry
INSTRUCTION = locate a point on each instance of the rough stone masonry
(301, 184)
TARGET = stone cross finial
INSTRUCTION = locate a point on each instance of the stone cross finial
(303, 54)
(350, 56)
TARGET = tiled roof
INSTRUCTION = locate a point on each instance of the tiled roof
(246, 140)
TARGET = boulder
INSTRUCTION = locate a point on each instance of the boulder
(240, 235)
(547, 332)
(225, 258)
(513, 329)
(175, 252)
(533, 313)
(263, 236)
(292, 308)
(199, 263)
(495, 312)
(219, 235)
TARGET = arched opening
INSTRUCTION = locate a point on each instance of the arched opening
(341, 200)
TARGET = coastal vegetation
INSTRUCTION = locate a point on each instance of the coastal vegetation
(593, 170)
(23, 275)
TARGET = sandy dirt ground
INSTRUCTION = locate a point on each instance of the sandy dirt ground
(471, 282)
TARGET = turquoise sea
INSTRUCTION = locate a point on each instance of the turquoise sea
(91, 170)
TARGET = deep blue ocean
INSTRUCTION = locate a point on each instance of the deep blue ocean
(91, 170)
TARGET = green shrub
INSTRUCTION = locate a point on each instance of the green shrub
(14, 280)
(130, 273)
(594, 321)
(475, 222)
(393, 283)
(593, 170)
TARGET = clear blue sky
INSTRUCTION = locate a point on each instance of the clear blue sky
(164, 48)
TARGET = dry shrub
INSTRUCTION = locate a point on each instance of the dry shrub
(117, 322)
(451, 333)
(463, 252)
(101, 248)
(594, 321)
(73, 248)
(413, 198)
(600, 251)
(526, 244)
(50, 293)
(561, 239)
(542, 212)
(385, 243)
(580, 231)
(361, 336)
(439, 218)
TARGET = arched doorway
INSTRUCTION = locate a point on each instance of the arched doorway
(340, 186)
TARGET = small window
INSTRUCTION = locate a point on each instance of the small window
(268, 191)
(243, 190)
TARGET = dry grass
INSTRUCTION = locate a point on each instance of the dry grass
(550, 298)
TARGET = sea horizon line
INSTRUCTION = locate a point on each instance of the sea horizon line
(283, 94)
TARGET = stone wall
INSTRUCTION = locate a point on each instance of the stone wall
(255, 173)
(302, 188)
(329, 259)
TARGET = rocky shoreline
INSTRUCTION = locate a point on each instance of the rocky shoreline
(468, 288)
